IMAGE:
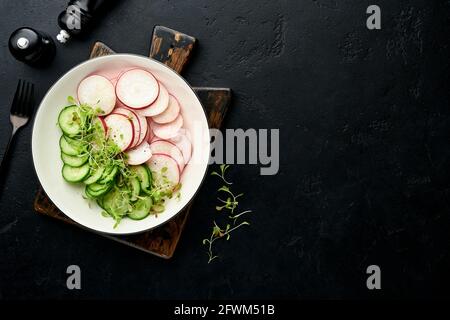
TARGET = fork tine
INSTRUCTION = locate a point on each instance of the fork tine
(15, 104)
(23, 97)
(30, 105)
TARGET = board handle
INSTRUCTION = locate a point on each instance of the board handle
(171, 47)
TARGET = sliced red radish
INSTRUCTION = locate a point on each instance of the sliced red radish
(183, 142)
(97, 92)
(160, 104)
(150, 135)
(136, 123)
(167, 147)
(102, 124)
(140, 154)
(120, 130)
(170, 113)
(144, 128)
(168, 130)
(137, 88)
(165, 170)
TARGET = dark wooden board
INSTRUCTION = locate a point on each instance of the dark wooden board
(173, 49)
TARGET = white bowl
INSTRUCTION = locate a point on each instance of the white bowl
(46, 152)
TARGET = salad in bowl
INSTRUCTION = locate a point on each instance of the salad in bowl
(131, 141)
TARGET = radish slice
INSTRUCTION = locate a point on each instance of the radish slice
(103, 124)
(97, 92)
(164, 165)
(137, 88)
(183, 142)
(170, 113)
(136, 123)
(166, 147)
(142, 153)
(150, 135)
(144, 128)
(120, 130)
(159, 106)
(168, 130)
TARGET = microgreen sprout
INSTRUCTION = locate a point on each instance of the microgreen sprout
(229, 204)
(237, 216)
(219, 233)
(223, 168)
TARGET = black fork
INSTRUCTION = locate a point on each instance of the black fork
(21, 112)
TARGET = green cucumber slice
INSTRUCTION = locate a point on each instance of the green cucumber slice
(77, 144)
(108, 175)
(116, 203)
(95, 175)
(68, 148)
(141, 209)
(144, 175)
(74, 161)
(96, 190)
(135, 187)
(75, 174)
(70, 121)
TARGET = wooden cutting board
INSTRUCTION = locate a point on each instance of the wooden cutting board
(174, 49)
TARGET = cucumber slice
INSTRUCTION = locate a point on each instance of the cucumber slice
(96, 190)
(144, 175)
(141, 209)
(95, 175)
(100, 203)
(135, 187)
(77, 144)
(68, 148)
(108, 175)
(116, 203)
(74, 161)
(75, 174)
(70, 121)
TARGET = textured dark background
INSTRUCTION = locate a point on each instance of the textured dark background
(364, 179)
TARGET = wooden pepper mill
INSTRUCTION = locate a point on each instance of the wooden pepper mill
(78, 18)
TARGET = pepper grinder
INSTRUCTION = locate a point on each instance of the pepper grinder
(32, 47)
(78, 18)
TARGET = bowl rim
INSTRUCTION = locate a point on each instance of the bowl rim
(111, 56)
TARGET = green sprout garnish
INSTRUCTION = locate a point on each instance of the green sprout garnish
(230, 204)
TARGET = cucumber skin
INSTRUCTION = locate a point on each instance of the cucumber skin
(74, 161)
(65, 174)
(108, 176)
(65, 128)
(93, 178)
(146, 182)
(67, 148)
(76, 144)
(141, 214)
(97, 193)
(109, 202)
(135, 188)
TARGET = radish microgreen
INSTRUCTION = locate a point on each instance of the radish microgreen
(223, 168)
(230, 204)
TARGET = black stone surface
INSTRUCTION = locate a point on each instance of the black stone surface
(364, 120)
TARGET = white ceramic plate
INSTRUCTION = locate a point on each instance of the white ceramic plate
(46, 152)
